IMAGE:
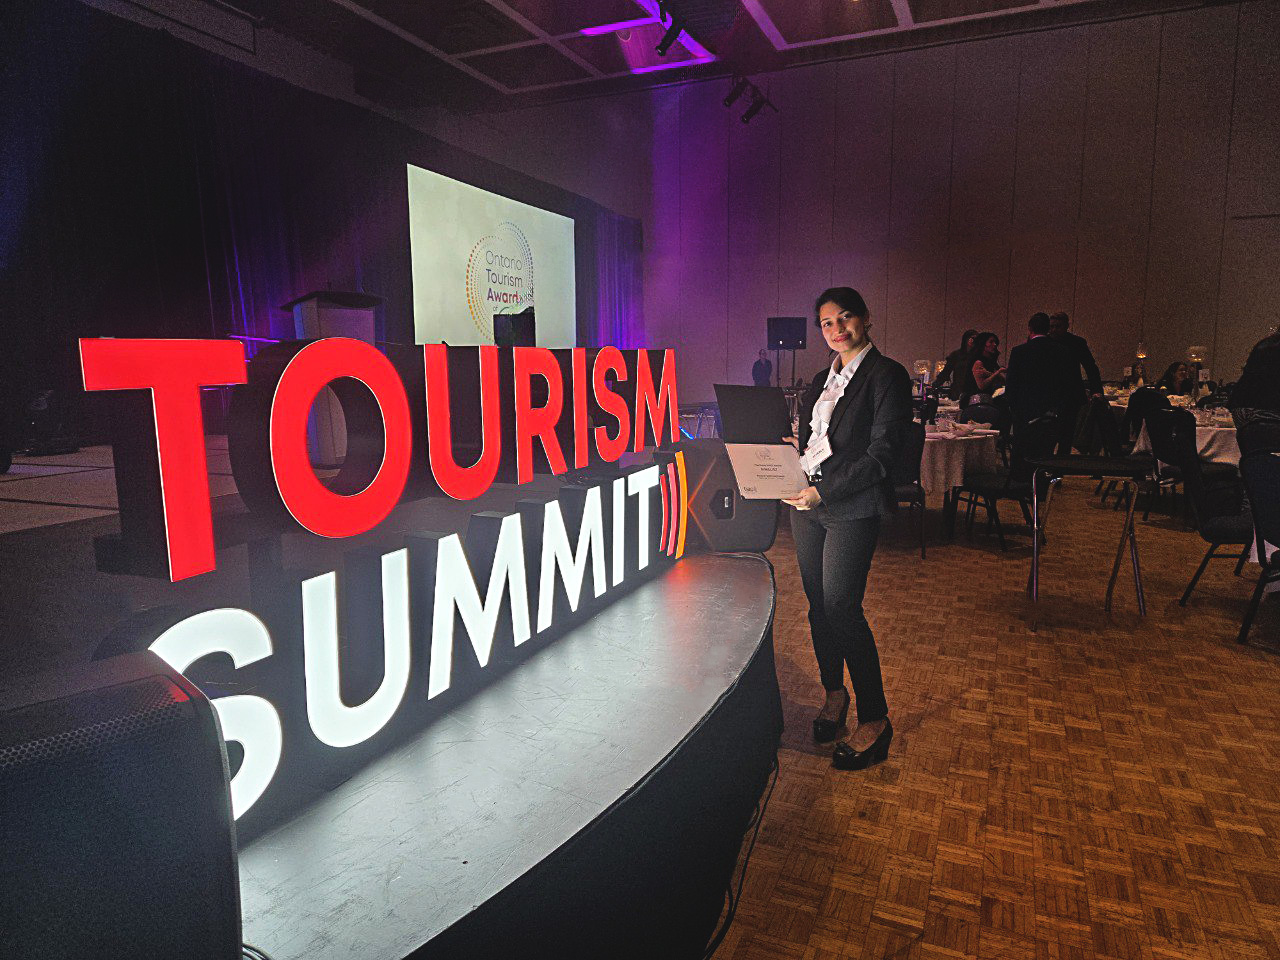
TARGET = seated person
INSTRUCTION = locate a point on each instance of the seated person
(985, 374)
(1177, 380)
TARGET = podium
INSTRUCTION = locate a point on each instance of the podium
(331, 313)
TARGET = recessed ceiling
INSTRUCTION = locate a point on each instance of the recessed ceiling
(493, 53)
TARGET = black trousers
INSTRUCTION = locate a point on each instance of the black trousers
(1067, 424)
(835, 558)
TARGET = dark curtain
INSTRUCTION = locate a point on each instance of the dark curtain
(619, 313)
(150, 188)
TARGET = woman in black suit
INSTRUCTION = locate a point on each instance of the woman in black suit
(852, 422)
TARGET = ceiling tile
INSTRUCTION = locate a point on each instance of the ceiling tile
(528, 67)
(455, 27)
(569, 16)
(822, 19)
(628, 50)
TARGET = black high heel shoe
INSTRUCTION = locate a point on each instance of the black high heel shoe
(824, 730)
(846, 758)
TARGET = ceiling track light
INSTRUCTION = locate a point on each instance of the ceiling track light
(669, 38)
(740, 86)
(758, 102)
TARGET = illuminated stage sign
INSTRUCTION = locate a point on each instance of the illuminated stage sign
(313, 687)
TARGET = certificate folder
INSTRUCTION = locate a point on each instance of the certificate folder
(754, 421)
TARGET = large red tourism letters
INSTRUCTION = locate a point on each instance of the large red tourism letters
(420, 421)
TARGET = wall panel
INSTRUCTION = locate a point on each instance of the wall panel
(1193, 120)
(923, 101)
(1119, 145)
(1250, 292)
(982, 170)
(806, 100)
(752, 239)
(1046, 201)
(1254, 185)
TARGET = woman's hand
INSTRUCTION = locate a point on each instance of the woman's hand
(806, 499)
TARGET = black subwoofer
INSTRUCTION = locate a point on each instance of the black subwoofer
(720, 520)
(115, 817)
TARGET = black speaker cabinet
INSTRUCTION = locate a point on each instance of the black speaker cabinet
(116, 835)
(787, 333)
(719, 519)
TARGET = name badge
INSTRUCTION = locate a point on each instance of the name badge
(815, 455)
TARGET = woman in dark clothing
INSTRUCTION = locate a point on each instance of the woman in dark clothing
(1255, 399)
(952, 375)
(983, 373)
(1177, 379)
(852, 423)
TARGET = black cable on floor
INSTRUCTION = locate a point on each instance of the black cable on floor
(754, 829)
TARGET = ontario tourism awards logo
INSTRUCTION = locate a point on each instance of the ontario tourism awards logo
(499, 276)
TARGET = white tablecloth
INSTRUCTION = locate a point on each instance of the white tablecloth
(948, 459)
(1216, 444)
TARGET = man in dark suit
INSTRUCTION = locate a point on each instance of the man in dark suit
(1078, 349)
(1043, 382)
(853, 420)
(762, 370)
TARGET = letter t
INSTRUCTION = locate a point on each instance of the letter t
(174, 371)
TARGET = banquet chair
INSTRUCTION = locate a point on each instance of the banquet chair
(1141, 402)
(1173, 444)
(1104, 435)
(1036, 439)
(906, 475)
(997, 416)
(1221, 518)
(1261, 472)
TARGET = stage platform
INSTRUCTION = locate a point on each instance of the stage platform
(545, 815)
(591, 801)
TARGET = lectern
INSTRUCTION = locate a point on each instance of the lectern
(331, 313)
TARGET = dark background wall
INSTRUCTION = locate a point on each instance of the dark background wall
(151, 188)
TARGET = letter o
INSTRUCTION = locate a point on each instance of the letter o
(376, 468)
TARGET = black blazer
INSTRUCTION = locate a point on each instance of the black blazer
(1043, 378)
(1078, 347)
(866, 432)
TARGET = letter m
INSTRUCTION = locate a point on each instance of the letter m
(456, 590)
(658, 405)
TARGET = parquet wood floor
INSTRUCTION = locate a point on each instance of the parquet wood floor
(1103, 789)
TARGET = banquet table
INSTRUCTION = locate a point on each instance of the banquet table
(949, 458)
(1215, 443)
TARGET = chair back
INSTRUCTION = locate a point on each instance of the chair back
(1032, 441)
(1141, 402)
(1173, 437)
(907, 468)
(1103, 428)
(1173, 441)
(1261, 473)
(985, 413)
